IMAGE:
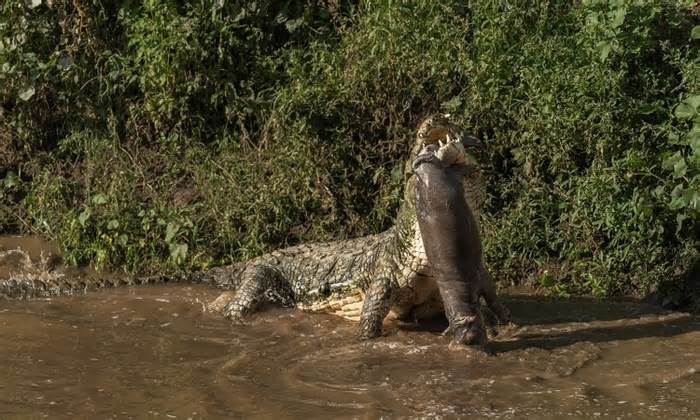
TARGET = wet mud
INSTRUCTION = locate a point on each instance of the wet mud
(154, 352)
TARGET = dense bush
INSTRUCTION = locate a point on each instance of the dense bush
(146, 136)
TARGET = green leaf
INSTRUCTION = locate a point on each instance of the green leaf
(693, 161)
(695, 33)
(518, 155)
(693, 138)
(680, 218)
(604, 48)
(293, 24)
(677, 191)
(178, 252)
(676, 163)
(27, 93)
(649, 108)
(659, 191)
(684, 111)
(688, 108)
(11, 180)
(677, 203)
(678, 200)
(171, 231)
(84, 216)
(113, 224)
(592, 18)
(692, 199)
(241, 15)
(123, 239)
(679, 168)
(618, 17)
(693, 101)
(99, 199)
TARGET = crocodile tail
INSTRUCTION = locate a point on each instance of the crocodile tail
(47, 284)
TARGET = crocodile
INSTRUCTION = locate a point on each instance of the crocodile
(363, 279)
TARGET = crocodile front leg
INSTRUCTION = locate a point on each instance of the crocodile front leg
(375, 307)
(259, 283)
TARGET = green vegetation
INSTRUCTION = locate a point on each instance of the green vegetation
(159, 134)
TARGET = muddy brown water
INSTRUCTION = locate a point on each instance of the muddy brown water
(153, 352)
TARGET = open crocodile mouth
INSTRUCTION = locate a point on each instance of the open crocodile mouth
(436, 134)
(447, 143)
(438, 129)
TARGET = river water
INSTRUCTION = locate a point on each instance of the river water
(154, 352)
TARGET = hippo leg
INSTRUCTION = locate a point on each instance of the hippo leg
(488, 291)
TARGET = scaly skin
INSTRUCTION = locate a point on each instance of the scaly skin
(361, 279)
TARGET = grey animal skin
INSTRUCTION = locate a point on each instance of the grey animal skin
(452, 242)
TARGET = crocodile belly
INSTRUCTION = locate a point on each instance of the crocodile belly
(348, 306)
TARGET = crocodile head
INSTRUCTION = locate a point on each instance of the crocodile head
(436, 130)
(437, 127)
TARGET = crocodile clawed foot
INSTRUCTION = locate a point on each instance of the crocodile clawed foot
(370, 328)
(235, 312)
(219, 304)
(363, 336)
(236, 317)
(227, 305)
(369, 332)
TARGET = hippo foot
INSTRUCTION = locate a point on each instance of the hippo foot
(468, 329)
